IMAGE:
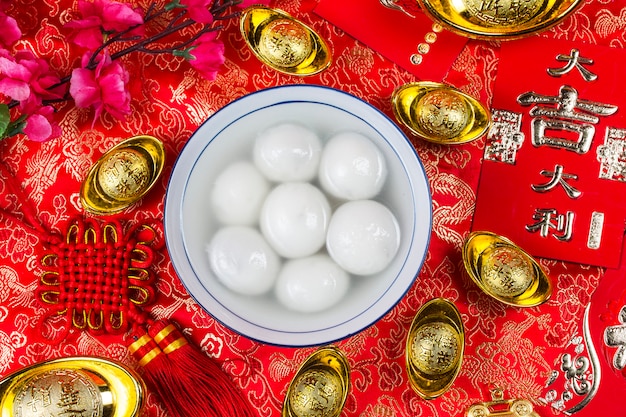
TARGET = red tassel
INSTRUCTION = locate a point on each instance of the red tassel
(157, 370)
(190, 383)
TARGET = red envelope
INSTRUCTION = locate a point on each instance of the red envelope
(553, 178)
(588, 377)
(413, 42)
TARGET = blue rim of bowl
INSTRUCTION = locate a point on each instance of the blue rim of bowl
(173, 216)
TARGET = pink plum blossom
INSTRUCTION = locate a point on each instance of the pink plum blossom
(198, 10)
(101, 15)
(103, 88)
(40, 125)
(28, 80)
(13, 79)
(26, 77)
(10, 32)
(207, 55)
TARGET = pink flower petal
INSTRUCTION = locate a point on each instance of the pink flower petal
(88, 8)
(12, 69)
(199, 10)
(83, 88)
(10, 32)
(104, 88)
(38, 128)
(16, 89)
(89, 38)
(115, 95)
(208, 55)
(24, 55)
(101, 14)
(119, 17)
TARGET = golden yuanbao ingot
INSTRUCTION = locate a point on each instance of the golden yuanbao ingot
(94, 386)
(434, 348)
(505, 271)
(501, 20)
(440, 113)
(320, 387)
(284, 43)
(123, 175)
(443, 114)
(435, 337)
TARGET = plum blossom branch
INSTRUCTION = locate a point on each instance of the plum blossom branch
(106, 30)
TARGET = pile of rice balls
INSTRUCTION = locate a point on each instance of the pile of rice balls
(300, 218)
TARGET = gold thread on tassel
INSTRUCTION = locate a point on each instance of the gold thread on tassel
(172, 346)
(140, 343)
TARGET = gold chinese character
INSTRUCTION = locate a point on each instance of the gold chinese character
(574, 60)
(548, 220)
(570, 115)
(558, 177)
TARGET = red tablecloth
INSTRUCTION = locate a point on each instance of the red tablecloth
(510, 348)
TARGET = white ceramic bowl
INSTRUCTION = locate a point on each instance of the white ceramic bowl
(225, 137)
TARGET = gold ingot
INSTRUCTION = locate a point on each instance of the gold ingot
(440, 113)
(502, 408)
(97, 387)
(320, 387)
(505, 271)
(283, 42)
(501, 20)
(434, 348)
(123, 175)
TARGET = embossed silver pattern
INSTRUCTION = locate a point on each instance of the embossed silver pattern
(504, 137)
(58, 393)
(595, 230)
(393, 5)
(581, 372)
(615, 336)
(612, 155)
(80, 386)
(566, 112)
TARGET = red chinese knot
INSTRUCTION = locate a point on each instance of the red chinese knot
(99, 277)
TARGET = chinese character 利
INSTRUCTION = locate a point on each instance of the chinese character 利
(547, 220)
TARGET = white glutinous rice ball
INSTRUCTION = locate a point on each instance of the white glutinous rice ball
(243, 261)
(288, 152)
(363, 237)
(294, 219)
(311, 284)
(238, 194)
(352, 167)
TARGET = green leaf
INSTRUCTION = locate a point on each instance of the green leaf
(15, 127)
(173, 5)
(5, 119)
(185, 53)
